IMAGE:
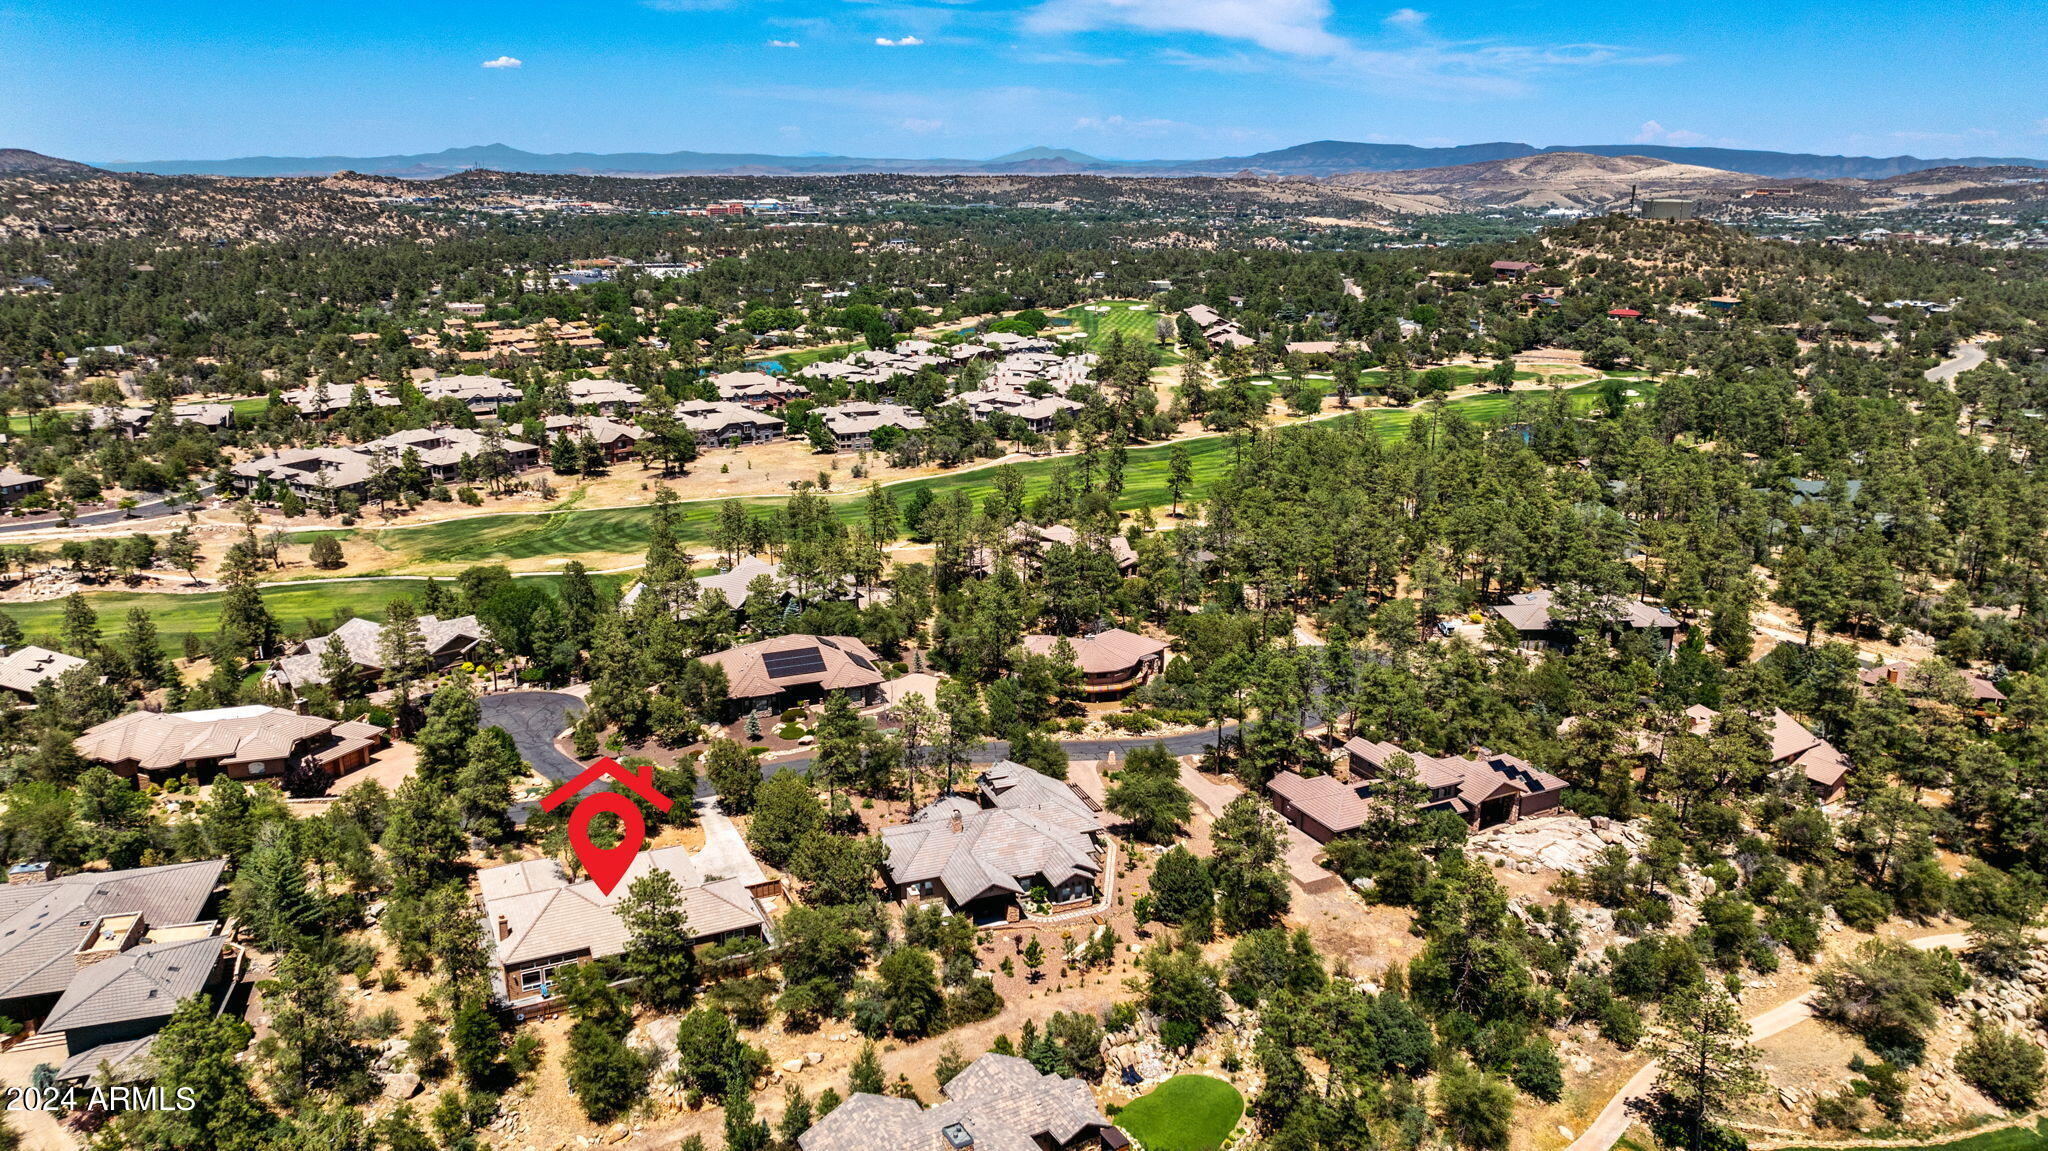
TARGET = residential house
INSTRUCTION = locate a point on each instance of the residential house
(998, 1103)
(1792, 747)
(1512, 269)
(758, 390)
(316, 474)
(322, 400)
(444, 451)
(130, 976)
(539, 920)
(27, 668)
(724, 423)
(1036, 412)
(1112, 662)
(54, 926)
(1533, 615)
(616, 439)
(483, 395)
(16, 486)
(1982, 692)
(443, 641)
(853, 426)
(240, 742)
(1022, 833)
(132, 422)
(1484, 790)
(775, 674)
(612, 397)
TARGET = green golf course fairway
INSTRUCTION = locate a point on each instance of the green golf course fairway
(601, 536)
(1185, 1113)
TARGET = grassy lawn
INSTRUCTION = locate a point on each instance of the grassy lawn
(1135, 319)
(446, 548)
(1185, 1113)
(2016, 1138)
(177, 616)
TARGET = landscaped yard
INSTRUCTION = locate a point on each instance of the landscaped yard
(1191, 1113)
(1135, 320)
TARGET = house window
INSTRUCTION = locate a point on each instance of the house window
(256, 768)
(532, 979)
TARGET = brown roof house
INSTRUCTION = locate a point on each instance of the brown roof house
(1792, 745)
(1535, 615)
(1914, 681)
(774, 674)
(540, 920)
(443, 640)
(998, 1103)
(242, 742)
(129, 979)
(1022, 835)
(1112, 662)
(52, 930)
(1484, 791)
(24, 669)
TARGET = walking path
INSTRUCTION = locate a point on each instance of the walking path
(1615, 1118)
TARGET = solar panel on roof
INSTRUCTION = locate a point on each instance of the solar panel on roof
(786, 664)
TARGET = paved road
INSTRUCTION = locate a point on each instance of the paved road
(1187, 743)
(533, 719)
(1615, 1118)
(1968, 356)
(147, 510)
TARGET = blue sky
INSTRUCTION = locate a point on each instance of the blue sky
(178, 79)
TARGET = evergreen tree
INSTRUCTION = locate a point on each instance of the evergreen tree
(660, 951)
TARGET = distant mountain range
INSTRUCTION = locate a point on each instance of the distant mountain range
(1319, 159)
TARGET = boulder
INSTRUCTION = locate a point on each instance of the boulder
(401, 1085)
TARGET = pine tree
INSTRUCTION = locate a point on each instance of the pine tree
(660, 951)
(315, 1052)
(272, 897)
(865, 1077)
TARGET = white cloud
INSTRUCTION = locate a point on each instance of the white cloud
(900, 42)
(1654, 133)
(504, 62)
(1408, 57)
(784, 44)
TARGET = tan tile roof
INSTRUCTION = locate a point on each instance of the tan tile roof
(848, 663)
(155, 741)
(1038, 828)
(22, 669)
(547, 915)
(999, 1103)
(1530, 611)
(1103, 653)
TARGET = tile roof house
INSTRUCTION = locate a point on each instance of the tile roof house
(442, 450)
(1531, 614)
(615, 397)
(1037, 412)
(314, 473)
(480, 394)
(722, 423)
(617, 439)
(773, 674)
(853, 426)
(128, 982)
(539, 920)
(1907, 678)
(320, 401)
(25, 668)
(758, 389)
(1792, 745)
(1024, 831)
(444, 642)
(1112, 662)
(15, 485)
(136, 421)
(45, 924)
(242, 742)
(998, 1103)
(1486, 790)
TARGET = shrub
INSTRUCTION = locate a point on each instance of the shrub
(2003, 1065)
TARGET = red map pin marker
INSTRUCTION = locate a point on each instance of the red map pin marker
(608, 865)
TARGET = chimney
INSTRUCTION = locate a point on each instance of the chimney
(959, 823)
(1891, 674)
(504, 927)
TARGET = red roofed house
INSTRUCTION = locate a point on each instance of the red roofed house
(778, 673)
(1792, 746)
(1490, 790)
(1623, 314)
(1112, 662)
